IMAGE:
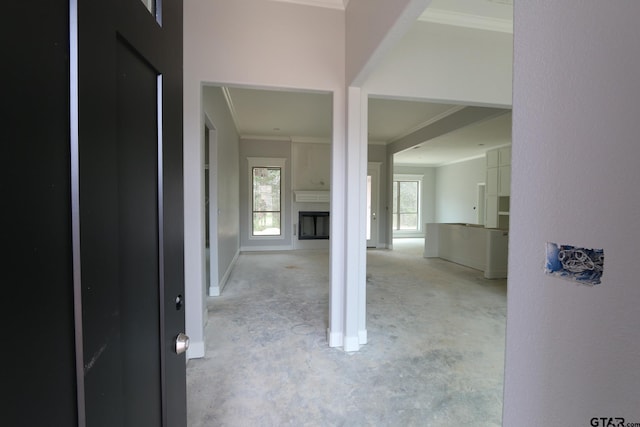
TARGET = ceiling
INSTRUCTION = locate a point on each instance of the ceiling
(307, 116)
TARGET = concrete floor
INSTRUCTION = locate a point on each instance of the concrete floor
(435, 354)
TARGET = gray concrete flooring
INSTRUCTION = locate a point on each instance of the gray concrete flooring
(434, 358)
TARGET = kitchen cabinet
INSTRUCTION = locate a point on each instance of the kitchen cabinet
(498, 188)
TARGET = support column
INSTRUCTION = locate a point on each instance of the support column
(356, 187)
(335, 333)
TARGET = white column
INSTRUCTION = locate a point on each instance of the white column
(355, 266)
(335, 333)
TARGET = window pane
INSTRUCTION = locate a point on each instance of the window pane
(266, 201)
(266, 223)
(395, 199)
(408, 221)
(409, 197)
(151, 5)
(266, 189)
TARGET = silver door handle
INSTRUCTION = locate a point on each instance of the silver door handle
(182, 343)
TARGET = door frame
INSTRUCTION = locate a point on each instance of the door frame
(373, 211)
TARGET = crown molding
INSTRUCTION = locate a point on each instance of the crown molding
(232, 109)
(330, 4)
(447, 17)
(427, 122)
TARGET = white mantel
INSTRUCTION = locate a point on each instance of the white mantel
(311, 196)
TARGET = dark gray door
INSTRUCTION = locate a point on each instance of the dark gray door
(129, 208)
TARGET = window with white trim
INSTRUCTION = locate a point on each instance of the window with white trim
(266, 180)
(406, 202)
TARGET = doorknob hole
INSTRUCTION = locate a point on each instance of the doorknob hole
(178, 302)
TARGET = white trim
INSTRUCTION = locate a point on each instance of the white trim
(458, 19)
(310, 140)
(216, 291)
(232, 108)
(362, 336)
(196, 350)
(419, 232)
(351, 343)
(275, 162)
(428, 122)
(335, 338)
(264, 138)
(265, 248)
(329, 4)
(312, 196)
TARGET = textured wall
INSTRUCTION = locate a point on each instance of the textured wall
(573, 350)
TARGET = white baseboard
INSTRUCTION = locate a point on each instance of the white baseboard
(351, 343)
(227, 273)
(362, 337)
(265, 248)
(195, 350)
(216, 291)
(334, 338)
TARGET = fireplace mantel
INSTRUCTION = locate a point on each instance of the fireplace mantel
(311, 196)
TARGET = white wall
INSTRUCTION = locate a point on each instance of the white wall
(457, 190)
(227, 165)
(372, 26)
(261, 44)
(444, 63)
(573, 350)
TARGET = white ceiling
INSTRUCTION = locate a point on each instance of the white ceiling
(307, 116)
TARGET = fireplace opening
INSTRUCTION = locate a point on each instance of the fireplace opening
(313, 225)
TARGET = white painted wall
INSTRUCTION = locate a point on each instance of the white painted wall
(573, 351)
(449, 64)
(457, 190)
(260, 44)
(215, 107)
(372, 26)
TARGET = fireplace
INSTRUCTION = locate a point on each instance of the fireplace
(313, 225)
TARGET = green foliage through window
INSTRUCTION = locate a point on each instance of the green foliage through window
(406, 203)
(266, 201)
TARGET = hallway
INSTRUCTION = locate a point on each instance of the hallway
(435, 354)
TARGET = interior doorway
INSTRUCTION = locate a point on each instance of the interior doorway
(373, 205)
(211, 208)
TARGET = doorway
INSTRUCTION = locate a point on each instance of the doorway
(373, 205)
(210, 169)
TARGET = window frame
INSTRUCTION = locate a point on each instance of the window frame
(397, 178)
(266, 162)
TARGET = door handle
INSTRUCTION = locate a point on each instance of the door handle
(374, 216)
(182, 343)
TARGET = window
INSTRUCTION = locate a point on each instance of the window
(267, 178)
(406, 203)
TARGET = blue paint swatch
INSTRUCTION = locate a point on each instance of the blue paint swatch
(573, 263)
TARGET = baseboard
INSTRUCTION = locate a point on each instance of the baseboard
(334, 338)
(216, 291)
(495, 274)
(352, 343)
(227, 273)
(362, 336)
(265, 248)
(195, 350)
